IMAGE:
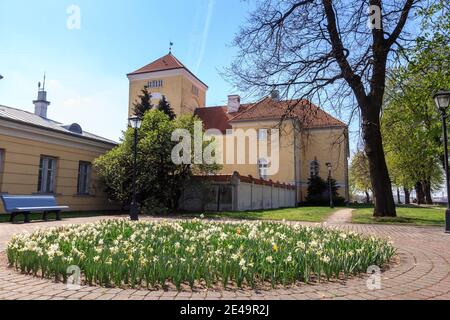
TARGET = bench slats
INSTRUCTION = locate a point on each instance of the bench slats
(57, 208)
(35, 203)
(12, 201)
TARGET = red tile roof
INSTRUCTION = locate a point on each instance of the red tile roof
(214, 118)
(217, 117)
(310, 115)
(247, 179)
(168, 62)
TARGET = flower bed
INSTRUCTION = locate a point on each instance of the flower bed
(151, 254)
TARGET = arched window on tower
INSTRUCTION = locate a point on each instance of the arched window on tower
(314, 168)
(263, 167)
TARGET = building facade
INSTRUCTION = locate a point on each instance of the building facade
(167, 76)
(42, 156)
(310, 138)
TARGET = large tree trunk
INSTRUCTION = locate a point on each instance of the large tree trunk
(407, 196)
(427, 192)
(367, 197)
(399, 200)
(370, 103)
(420, 194)
(381, 183)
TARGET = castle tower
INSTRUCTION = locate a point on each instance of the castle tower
(169, 77)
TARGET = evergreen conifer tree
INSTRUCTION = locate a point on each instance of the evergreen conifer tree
(144, 104)
(165, 107)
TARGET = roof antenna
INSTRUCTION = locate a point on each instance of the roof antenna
(170, 48)
(43, 86)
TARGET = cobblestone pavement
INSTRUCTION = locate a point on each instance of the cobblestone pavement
(421, 272)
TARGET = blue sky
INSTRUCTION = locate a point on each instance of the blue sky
(86, 68)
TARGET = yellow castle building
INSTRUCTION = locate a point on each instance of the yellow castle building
(311, 139)
(42, 156)
(169, 77)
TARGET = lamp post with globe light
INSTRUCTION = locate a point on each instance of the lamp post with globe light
(442, 100)
(135, 123)
(330, 188)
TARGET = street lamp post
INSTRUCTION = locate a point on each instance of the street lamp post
(135, 123)
(330, 189)
(442, 99)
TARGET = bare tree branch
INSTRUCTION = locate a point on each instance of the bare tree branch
(401, 24)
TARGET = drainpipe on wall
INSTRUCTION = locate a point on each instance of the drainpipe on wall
(347, 156)
(296, 172)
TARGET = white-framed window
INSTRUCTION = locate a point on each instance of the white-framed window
(84, 177)
(195, 90)
(155, 84)
(262, 134)
(263, 168)
(47, 174)
(314, 168)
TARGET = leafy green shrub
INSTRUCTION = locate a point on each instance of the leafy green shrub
(158, 178)
(152, 206)
(319, 190)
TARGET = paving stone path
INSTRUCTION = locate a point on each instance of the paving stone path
(340, 217)
(421, 272)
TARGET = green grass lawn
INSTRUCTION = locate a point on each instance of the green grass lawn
(64, 215)
(409, 215)
(311, 214)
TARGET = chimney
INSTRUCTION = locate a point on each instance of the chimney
(41, 104)
(234, 103)
(275, 95)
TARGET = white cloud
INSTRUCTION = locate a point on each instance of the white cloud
(205, 33)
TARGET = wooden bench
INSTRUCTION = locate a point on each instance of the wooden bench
(25, 205)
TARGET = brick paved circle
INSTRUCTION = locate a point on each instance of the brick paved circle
(421, 272)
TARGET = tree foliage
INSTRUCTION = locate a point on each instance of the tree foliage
(319, 192)
(143, 104)
(325, 51)
(359, 174)
(411, 125)
(165, 107)
(160, 182)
